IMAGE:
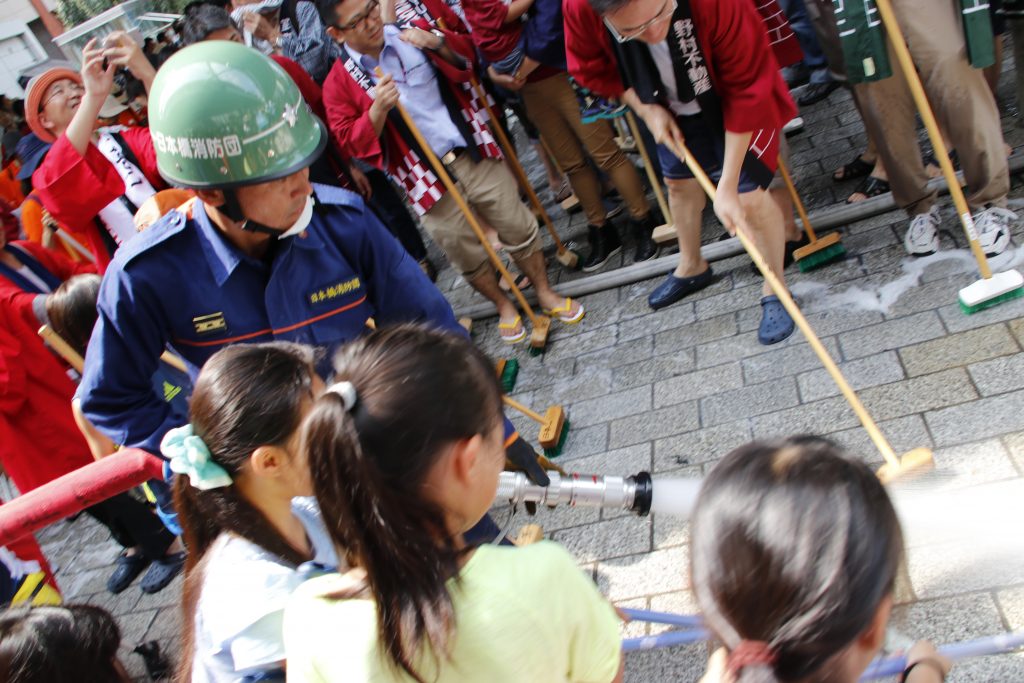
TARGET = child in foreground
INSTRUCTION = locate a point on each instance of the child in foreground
(405, 451)
(794, 554)
(241, 496)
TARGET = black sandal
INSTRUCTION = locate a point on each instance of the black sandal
(858, 168)
(870, 187)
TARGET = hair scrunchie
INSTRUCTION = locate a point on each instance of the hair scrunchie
(750, 653)
(347, 392)
(188, 454)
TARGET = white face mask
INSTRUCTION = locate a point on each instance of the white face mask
(303, 221)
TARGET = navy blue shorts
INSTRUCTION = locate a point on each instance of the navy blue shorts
(708, 148)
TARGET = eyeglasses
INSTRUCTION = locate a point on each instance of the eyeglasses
(358, 22)
(62, 90)
(667, 10)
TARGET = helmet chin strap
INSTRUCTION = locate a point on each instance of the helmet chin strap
(233, 210)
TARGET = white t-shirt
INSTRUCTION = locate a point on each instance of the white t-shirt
(663, 61)
(239, 617)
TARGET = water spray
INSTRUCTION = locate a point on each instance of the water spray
(639, 493)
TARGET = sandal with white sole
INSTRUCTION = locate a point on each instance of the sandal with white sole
(512, 338)
(564, 314)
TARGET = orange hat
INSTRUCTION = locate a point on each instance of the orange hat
(36, 90)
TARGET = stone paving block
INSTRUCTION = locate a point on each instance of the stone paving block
(658, 368)
(919, 394)
(957, 350)
(610, 407)
(820, 417)
(623, 353)
(1017, 327)
(968, 465)
(653, 322)
(891, 334)
(882, 368)
(903, 434)
(986, 417)
(674, 664)
(670, 531)
(166, 625)
(655, 424)
(698, 384)
(999, 375)
(1008, 667)
(123, 603)
(786, 360)
(748, 401)
(948, 619)
(728, 302)
(956, 321)
(732, 349)
(588, 383)
(615, 538)
(1011, 604)
(661, 571)
(685, 336)
(550, 519)
(699, 446)
(1015, 447)
(581, 343)
(75, 584)
(582, 441)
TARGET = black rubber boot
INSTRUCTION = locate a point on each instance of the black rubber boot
(642, 229)
(604, 243)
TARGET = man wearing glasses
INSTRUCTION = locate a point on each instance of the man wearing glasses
(699, 72)
(424, 70)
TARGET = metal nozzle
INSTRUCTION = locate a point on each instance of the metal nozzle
(625, 493)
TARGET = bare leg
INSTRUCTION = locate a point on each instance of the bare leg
(535, 269)
(487, 284)
(686, 201)
(766, 227)
(780, 195)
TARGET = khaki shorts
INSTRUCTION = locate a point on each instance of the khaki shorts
(490, 189)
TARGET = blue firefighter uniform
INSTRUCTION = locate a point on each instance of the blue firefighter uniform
(182, 283)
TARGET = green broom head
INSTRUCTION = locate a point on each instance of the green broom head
(823, 257)
(534, 351)
(556, 451)
(509, 374)
(999, 288)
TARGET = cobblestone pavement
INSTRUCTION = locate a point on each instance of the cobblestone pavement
(671, 392)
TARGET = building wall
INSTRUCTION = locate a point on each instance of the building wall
(19, 49)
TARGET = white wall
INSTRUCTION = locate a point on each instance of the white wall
(18, 49)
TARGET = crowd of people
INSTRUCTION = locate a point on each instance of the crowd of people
(246, 191)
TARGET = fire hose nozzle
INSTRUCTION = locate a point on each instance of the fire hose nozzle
(587, 490)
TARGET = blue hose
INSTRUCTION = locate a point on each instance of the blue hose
(687, 620)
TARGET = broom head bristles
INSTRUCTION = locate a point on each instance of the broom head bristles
(820, 252)
(995, 290)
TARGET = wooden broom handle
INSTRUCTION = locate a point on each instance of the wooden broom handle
(645, 155)
(63, 349)
(449, 185)
(796, 200)
(779, 289)
(899, 46)
(523, 409)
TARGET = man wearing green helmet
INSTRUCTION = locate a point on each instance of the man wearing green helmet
(260, 254)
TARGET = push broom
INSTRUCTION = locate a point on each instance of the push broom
(919, 458)
(541, 323)
(554, 426)
(568, 258)
(991, 289)
(667, 231)
(820, 252)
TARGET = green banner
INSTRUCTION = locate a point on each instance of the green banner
(862, 37)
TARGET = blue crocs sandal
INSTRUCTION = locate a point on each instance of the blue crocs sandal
(776, 324)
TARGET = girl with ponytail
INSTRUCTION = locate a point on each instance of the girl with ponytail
(405, 450)
(239, 493)
(793, 559)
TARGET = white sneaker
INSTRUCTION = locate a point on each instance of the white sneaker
(794, 126)
(922, 238)
(993, 226)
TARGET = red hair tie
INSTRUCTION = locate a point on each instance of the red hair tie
(749, 653)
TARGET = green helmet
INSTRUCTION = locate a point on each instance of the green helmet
(223, 115)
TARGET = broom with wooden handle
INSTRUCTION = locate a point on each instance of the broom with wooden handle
(919, 458)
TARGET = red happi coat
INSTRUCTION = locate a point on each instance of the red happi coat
(347, 100)
(591, 57)
(39, 440)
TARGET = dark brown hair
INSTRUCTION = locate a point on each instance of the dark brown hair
(59, 644)
(72, 311)
(246, 396)
(418, 391)
(793, 544)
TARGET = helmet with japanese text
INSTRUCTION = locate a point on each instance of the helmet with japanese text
(222, 115)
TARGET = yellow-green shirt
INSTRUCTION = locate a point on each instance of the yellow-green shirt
(522, 614)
